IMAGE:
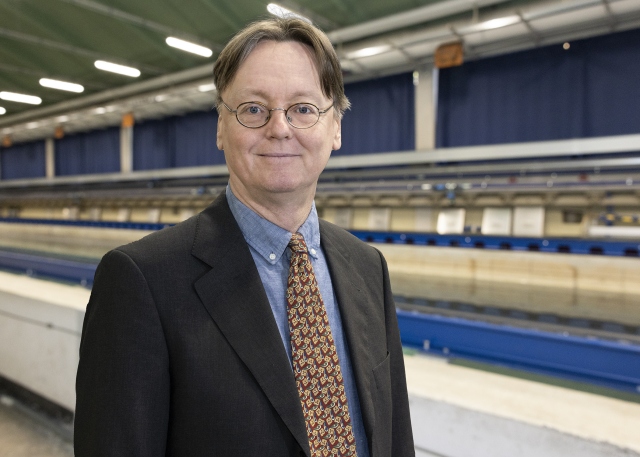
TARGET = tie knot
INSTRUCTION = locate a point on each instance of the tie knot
(297, 243)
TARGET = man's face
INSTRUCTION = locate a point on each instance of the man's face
(276, 158)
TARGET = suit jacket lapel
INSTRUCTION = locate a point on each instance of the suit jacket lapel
(349, 288)
(233, 295)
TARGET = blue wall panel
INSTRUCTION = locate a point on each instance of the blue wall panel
(154, 144)
(381, 118)
(177, 141)
(92, 152)
(543, 94)
(25, 160)
(196, 140)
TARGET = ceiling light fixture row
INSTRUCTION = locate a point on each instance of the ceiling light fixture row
(124, 70)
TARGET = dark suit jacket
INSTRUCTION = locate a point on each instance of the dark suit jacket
(181, 355)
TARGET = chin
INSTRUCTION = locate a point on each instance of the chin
(284, 186)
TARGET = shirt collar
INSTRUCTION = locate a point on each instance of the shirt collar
(269, 240)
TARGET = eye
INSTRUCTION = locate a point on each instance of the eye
(305, 109)
(251, 109)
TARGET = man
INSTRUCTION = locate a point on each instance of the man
(253, 328)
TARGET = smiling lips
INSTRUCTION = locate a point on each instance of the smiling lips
(278, 156)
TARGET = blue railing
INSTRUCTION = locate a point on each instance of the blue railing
(628, 248)
(76, 223)
(605, 363)
(48, 267)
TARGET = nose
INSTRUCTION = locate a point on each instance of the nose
(278, 126)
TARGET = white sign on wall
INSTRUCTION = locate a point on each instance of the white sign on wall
(70, 213)
(528, 221)
(424, 219)
(124, 214)
(343, 217)
(379, 218)
(451, 221)
(186, 213)
(153, 215)
(95, 214)
(496, 221)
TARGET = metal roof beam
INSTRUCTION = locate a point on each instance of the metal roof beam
(26, 38)
(140, 21)
(408, 18)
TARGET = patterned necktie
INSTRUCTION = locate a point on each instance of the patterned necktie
(315, 361)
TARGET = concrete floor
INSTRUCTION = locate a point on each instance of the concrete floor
(458, 411)
(27, 434)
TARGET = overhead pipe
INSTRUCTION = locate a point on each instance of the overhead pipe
(101, 97)
(415, 16)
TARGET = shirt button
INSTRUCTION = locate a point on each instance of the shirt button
(313, 252)
(272, 256)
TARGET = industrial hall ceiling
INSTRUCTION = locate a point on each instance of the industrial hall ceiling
(62, 54)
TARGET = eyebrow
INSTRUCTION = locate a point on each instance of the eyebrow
(248, 93)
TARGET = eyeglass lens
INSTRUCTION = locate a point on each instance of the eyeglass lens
(300, 115)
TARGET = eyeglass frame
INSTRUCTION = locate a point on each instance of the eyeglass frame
(269, 110)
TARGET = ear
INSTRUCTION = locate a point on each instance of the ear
(337, 137)
(219, 133)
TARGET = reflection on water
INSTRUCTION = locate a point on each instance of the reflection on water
(559, 304)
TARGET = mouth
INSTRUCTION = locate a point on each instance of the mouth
(279, 156)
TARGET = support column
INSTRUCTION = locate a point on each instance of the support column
(50, 157)
(426, 94)
(126, 144)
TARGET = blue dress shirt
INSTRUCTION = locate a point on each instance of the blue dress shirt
(268, 244)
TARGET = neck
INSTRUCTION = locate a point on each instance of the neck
(287, 210)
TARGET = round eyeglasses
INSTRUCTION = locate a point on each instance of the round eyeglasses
(255, 114)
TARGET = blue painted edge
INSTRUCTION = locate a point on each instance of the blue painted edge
(97, 224)
(46, 267)
(605, 363)
(626, 248)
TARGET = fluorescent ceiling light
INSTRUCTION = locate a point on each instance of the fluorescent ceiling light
(115, 68)
(62, 118)
(283, 12)
(61, 85)
(100, 110)
(499, 22)
(20, 98)
(489, 25)
(33, 125)
(368, 52)
(207, 87)
(2, 111)
(189, 47)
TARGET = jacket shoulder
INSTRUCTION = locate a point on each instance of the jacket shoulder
(347, 240)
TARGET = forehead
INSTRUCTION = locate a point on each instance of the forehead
(276, 70)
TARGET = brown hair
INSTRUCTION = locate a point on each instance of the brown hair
(279, 30)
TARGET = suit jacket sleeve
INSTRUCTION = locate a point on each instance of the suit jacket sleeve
(401, 432)
(122, 385)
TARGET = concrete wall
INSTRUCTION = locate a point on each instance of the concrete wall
(60, 239)
(568, 271)
(406, 219)
(40, 327)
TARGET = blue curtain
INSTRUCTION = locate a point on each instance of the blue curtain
(92, 152)
(25, 160)
(381, 118)
(177, 141)
(550, 93)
